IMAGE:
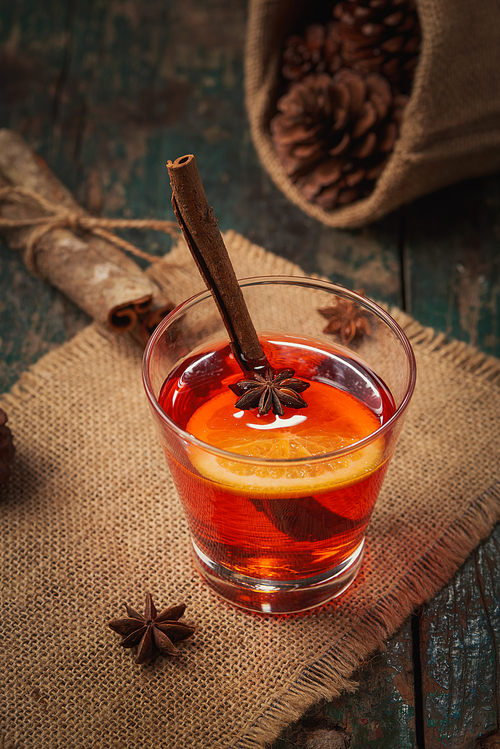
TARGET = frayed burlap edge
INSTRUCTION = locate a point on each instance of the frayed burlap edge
(455, 352)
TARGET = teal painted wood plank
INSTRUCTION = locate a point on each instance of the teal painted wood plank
(452, 267)
(364, 259)
(34, 318)
(380, 714)
(460, 653)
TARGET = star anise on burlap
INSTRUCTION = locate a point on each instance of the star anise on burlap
(153, 632)
(334, 135)
(7, 449)
(379, 36)
(270, 391)
(347, 320)
(316, 51)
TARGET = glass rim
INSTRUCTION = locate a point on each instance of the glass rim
(304, 281)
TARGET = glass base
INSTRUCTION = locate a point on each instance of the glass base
(277, 596)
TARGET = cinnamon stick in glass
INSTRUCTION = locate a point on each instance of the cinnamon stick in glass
(309, 519)
(201, 232)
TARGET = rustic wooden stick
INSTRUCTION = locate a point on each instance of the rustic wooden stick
(88, 269)
(201, 232)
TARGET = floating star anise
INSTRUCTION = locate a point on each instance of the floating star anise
(346, 319)
(153, 632)
(271, 390)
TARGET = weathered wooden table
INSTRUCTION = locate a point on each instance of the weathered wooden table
(107, 92)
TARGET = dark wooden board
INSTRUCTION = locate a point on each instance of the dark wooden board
(460, 654)
(380, 714)
(452, 261)
(34, 318)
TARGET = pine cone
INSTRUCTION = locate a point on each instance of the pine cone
(379, 36)
(334, 135)
(315, 52)
(7, 448)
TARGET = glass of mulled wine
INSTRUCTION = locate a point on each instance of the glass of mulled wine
(278, 505)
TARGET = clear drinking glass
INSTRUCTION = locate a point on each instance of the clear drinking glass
(278, 506)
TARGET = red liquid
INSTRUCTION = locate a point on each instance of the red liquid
(281, 528)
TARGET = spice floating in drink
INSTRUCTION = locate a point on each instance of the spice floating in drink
(275, 521)
(270, 390)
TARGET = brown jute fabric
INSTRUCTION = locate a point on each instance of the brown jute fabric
(91, 519)
(451, 127)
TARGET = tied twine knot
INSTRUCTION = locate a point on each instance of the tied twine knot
(73, 220)
(76, 220)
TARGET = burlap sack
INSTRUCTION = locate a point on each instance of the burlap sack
(91, 519)
(451, 127)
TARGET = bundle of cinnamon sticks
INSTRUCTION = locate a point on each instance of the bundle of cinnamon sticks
(77, 253)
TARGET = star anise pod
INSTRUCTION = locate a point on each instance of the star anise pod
(346, 319)
(153, 632)
(270, 391)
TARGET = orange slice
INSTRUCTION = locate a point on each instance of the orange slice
(333, 419)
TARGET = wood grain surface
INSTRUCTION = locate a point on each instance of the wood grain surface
(107, 92)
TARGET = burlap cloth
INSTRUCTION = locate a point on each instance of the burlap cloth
(91, 519)
(451, 126)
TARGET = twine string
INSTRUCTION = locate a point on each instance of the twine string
(75, 220)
